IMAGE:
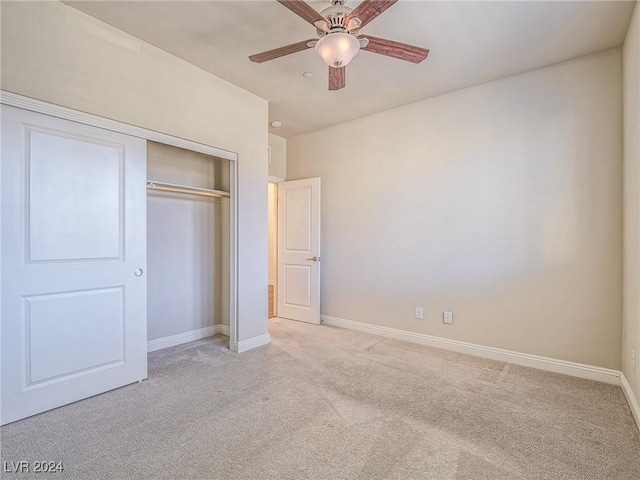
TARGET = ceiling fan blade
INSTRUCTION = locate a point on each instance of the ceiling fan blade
(337, 78)
(370, 9)
(303, 10)
(390, 48)
(281, 52)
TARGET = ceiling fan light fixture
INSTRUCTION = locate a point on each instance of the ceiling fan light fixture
(338, 49)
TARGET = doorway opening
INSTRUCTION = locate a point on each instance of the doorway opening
(188, 245)
(273, 249)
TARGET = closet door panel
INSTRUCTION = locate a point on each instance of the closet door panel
(82, 331)
(73, 262)
(74, 204)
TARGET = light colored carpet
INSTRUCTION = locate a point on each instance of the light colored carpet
(327, 403)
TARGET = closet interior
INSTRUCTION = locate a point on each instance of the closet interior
(188, 245)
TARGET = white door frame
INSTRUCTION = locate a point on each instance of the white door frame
(38, 106)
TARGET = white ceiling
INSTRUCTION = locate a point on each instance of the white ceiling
(470, 43)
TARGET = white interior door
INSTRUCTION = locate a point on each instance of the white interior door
(299, 250)
(73, 258)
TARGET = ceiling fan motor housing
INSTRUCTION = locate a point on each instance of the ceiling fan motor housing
(336, 16)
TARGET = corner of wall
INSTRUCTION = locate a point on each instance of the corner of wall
(631, 224)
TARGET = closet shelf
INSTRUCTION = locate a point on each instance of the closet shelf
(174, 187)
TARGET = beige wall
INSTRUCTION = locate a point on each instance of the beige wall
(54, 53)
(278, 165)
(631, 95)
(501, 202)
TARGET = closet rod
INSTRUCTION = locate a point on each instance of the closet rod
(173, 187)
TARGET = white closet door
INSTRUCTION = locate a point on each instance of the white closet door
(73, 258)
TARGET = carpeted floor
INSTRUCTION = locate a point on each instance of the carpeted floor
(327, 403)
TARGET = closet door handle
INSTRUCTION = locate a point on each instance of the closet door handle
(138, 272)
(314, 259)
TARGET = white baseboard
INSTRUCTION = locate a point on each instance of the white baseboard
(253, 342)
(186, 337)
(589, 372)
(631, 399)
(192, 335)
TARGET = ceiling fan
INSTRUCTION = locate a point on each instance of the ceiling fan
(338, 28)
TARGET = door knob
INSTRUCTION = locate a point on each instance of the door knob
(138, 272)
(314, 259)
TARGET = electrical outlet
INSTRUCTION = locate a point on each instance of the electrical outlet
(447, 317)
(419, 313)
(633, 359)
